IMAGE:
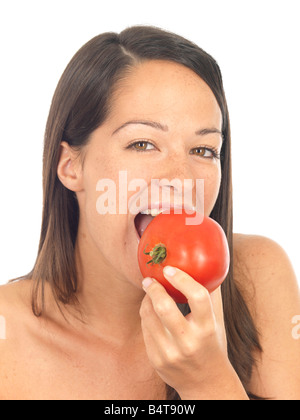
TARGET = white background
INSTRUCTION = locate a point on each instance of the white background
(256, 44)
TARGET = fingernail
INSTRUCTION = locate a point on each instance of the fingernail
(169, 271)
(146, 282)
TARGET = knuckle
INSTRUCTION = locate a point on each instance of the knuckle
(162, 308)
(157, 362)
(188, 350)
(161, 364)
(201, 295)
(173, 358)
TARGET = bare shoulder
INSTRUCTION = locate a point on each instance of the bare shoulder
(16, 325)
(268, 282)
(15, 297)
(15, 309)
(264, 262)
(264, 271)
(256, 248)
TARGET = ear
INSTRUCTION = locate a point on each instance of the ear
(69, 170)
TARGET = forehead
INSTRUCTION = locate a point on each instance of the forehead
(164, 90)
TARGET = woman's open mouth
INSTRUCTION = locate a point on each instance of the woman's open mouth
(143, 219)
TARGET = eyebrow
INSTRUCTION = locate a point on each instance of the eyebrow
(152, 124)
(205, 131)
(159, 126)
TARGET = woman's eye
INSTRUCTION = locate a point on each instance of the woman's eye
(141, 146)
(205, 152)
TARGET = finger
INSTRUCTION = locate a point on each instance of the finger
(149, 318)
(197, 295)
(165, 307)
(156, 337)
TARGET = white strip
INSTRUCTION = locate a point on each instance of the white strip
(2, 328)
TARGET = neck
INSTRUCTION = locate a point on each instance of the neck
(110, 305)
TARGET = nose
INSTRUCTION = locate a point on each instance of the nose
(177, 182)
(177, 166)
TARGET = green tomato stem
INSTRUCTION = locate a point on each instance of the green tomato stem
(158, 254)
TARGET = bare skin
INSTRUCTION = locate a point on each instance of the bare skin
(48, 358)
(118, 352)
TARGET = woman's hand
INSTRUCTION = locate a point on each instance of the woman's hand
(189, 353)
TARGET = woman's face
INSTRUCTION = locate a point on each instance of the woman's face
(174, 120)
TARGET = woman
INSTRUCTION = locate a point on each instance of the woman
(82, 324)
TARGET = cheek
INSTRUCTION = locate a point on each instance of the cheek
(211, 191)
(103, 204)
(99, 182)
(106, 231)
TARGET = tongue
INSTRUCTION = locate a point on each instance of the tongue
(141, 222)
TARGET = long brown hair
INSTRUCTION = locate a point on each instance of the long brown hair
(80, 105)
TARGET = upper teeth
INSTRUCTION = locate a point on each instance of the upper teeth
(156, 212)
(152, 212)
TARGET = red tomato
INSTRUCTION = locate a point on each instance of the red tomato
(200, 250)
